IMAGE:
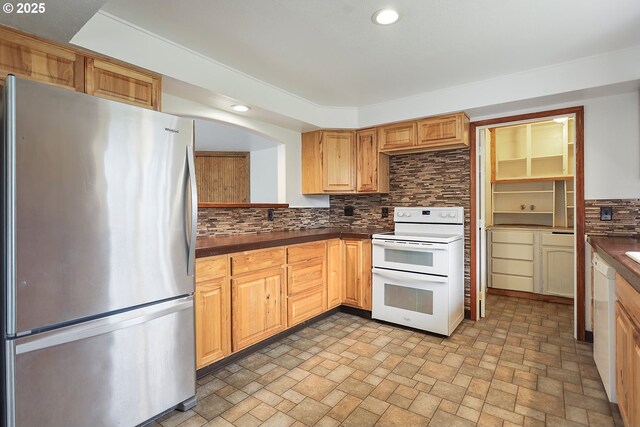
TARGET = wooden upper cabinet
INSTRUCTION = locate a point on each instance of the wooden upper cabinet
(338, 161)
(397, 136)
(36, 59)
(444, 132)
(119, 83)
(372, 167)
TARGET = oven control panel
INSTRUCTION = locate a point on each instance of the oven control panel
(429, 215)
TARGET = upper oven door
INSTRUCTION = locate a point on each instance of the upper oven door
(419, 257)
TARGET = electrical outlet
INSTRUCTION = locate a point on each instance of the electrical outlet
(348, 210)
(606, 213)
(270, 214)
(385, 213)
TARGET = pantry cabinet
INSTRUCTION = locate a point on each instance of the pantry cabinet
(628, 351)
(66, 66)
(531, 260)
(212, 310)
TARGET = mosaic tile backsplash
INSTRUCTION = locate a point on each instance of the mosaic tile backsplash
(625, 221)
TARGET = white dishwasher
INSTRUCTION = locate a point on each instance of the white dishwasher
(604, 326)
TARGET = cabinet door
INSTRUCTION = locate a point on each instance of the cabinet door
(397, 136)
(557, 270)
(338, 161)
(118, 83)
(352, 272)
(213, 327)
(357, 273)
(38, 60)
(335, 266)
(635, 393)
(305, 275)
(257, 310)
(446, 131)
(372, 168)
(624, 363)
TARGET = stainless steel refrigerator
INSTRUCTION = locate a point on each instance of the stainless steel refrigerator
(99, 216)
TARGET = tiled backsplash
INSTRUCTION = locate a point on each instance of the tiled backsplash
(222, 222)
(625, 222)
(438, 178)
(427, 179)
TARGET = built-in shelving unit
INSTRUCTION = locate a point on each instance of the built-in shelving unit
(532, 168)
(540, 150)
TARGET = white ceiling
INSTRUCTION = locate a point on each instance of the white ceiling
(60, 21)
(330, 53)
(216, 136)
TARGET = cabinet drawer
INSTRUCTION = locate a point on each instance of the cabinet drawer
(245, 262)
(516, 283)
(511, 266)
(305, 306)
(550, 239)
(509, 236)
(305, 275)
(509, 251)
(211, 268)
(306, 251)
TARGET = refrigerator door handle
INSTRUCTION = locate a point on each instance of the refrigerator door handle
(101, 326)
(193, 210)
(9, 280)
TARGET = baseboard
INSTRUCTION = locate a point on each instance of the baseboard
(530, 295)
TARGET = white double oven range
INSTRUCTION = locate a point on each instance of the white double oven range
(418, 269)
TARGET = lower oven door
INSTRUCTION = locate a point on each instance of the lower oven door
(411, 299)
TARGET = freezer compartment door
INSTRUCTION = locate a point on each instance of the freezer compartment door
(104, 211)
(117, 371)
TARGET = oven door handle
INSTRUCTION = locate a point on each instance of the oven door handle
(410, 246)
(394, 274)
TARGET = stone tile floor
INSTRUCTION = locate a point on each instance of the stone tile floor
(519, 366)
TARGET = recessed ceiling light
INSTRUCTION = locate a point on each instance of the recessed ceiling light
(385, 17)
(240, 108)
(561, 119)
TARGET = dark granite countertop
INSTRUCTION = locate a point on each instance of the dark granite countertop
(612, 250)
(210, 246)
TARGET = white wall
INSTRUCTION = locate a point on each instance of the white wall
(289, 153)
(612, 143)
(263, 175)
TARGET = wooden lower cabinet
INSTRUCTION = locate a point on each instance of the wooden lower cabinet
(305, 306)
(245, 297)
(212, 310)
(335, 263)
(357, 273)
(628, 352)
(257, 306)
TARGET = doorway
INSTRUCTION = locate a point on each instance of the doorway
(527, 209)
